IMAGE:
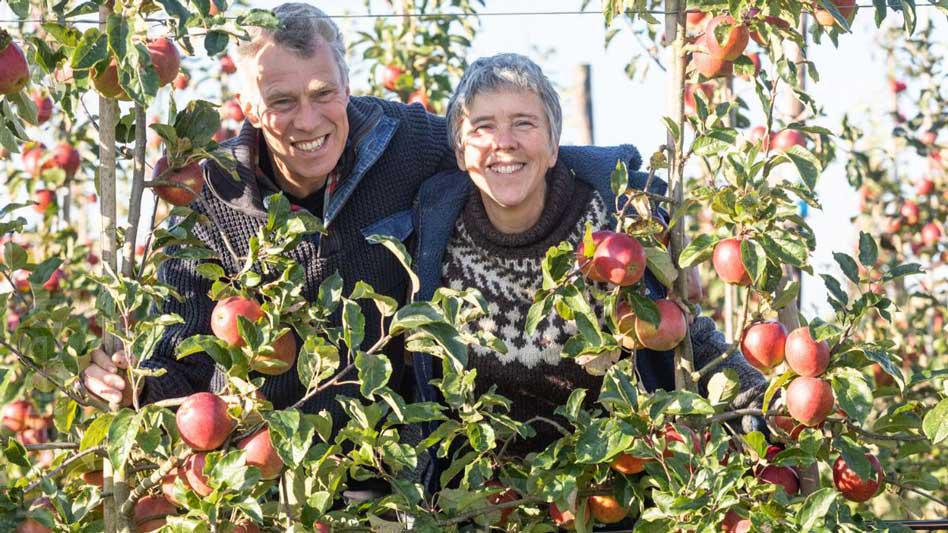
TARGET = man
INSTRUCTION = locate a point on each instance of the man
(354, 162)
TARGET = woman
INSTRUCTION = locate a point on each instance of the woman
(490, 225)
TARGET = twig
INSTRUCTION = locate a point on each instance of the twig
(738, 413)
(891, 479)
(324, 386)
(147, 483)
(877, 436)
(63, 466)
(52, 446)
(26, 360)
(507, 442)
(483, 510)
(714, 363)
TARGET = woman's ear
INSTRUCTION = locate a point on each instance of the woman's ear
(459, 155)
(554, 154)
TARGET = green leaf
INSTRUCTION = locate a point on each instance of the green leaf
(902, 271)
(16, 453)
(96, 431)
(816, 508)
(774, 386)
(374, 372)
(714, 142)
(619, 179)
(787, 295)
(680, 403)
(935, 424)
(645, 308)
(834, 288)
(211, 271)
(853, 393)
(848, 265)
(123, 432)
(723, 387)
(398, 249)
(413, 316)
(385, 304)
(660, 264)
(698, 250)
(317, 360)
(215, 42)
(807, 165)
(618, 391)
(353, 324)
(539, 310)
(481, 436)
(855, 456)
(754, 258)
(14, 255)
(330, 292)
(868, 251)
(291, 434)
(602, 440)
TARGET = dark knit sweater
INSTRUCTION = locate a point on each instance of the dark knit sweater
(392, 148)
(505, 267)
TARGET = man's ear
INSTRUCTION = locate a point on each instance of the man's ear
(250, 112)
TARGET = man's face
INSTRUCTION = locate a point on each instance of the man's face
(300, 106)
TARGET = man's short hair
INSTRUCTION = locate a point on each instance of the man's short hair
(503, 71)
(301, 27)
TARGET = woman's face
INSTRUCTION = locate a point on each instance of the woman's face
(505, 147)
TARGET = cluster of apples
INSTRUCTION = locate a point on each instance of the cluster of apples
(722, 42)
(619, 259)
(164, 57)
(21, 418)
(390, 80)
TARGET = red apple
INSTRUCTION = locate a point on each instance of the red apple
(65, 157)
(694, 17)
(194, 473)
(150, 513)
(93, 477)
(565, 518)
(227, 65)
(246, 526)
(725, 38)
(804, 355)
(259, 452)
(894, 225)
(629, 464)
(14, 70)
(670, 331)
(910, 212)
(763, 345)
(619, 259)
(774, 23)
(224, 318)
(44, 107)
(708, 65)
(728, 263)
(33, 158)
(896, 86)
(203, 421)
(420, 97)
(33, 436)
(231, 110)
(390, 74)
(735, 523)
(180, 81)
(107, 83)
(781, 475)
(165, 58)
(284, 351)
(322, 527)
(846, 8)
(690, 104)
(810, 400)
(787, 138)
(925, 187)
(931, 233)
(928, 138)
(606, 509)
(43, 198)
(853, 487)
(16, 414)
(758, 137)
(190, 176)
(507, 495)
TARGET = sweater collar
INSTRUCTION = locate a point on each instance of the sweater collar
(369, 133)
(555, 220)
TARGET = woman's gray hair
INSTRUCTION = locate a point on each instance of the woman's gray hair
(503, 71)
(301, 26)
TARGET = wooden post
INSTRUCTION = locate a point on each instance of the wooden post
(675, 108)
(582, 108)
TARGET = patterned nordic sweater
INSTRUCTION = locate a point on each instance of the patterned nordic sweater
(505, 268)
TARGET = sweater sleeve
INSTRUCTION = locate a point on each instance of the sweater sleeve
(707, 344)
(196, 372)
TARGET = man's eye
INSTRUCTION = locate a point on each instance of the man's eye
(523, 124)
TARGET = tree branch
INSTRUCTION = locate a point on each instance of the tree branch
(147, 483)
(891, 479)
(64, 465)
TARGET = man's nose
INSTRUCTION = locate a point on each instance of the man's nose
(307, 116)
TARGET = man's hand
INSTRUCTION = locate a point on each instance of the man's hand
(105, 377)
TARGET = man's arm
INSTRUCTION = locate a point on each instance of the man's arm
(195, 372)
